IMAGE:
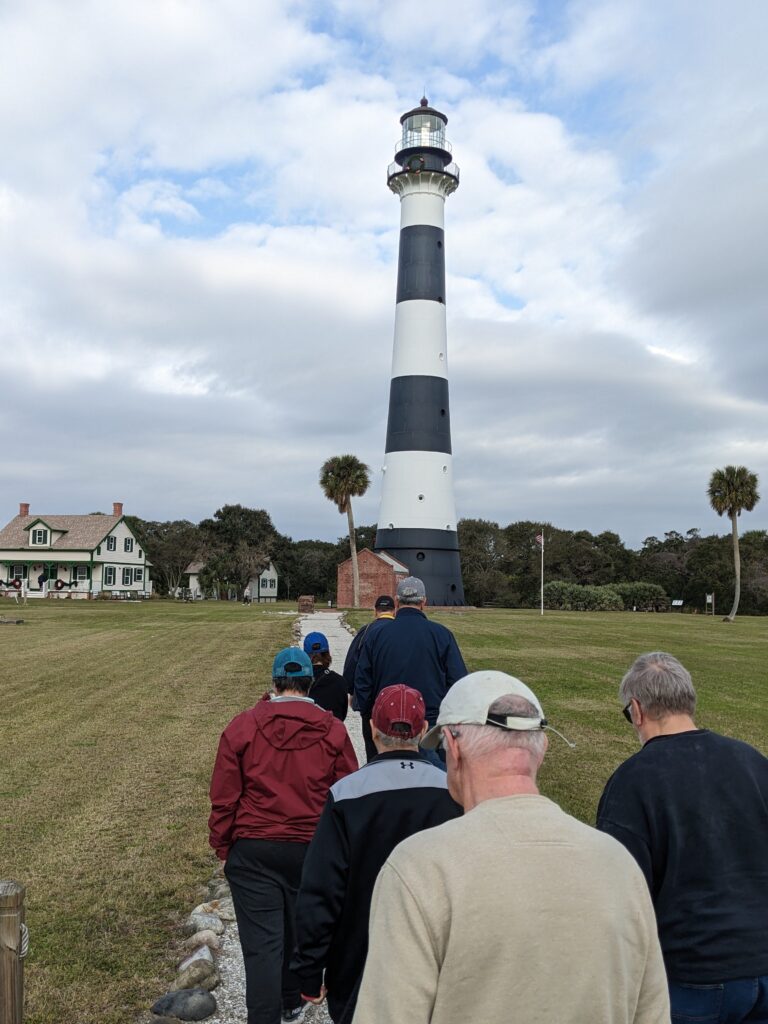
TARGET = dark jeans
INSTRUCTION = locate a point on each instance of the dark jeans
(264, 877)
(730, 1002)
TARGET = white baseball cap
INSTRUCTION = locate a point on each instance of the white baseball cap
(469, 700)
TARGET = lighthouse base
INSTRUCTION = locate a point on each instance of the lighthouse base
(432, 555)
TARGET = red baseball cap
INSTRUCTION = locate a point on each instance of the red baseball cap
(402, 706)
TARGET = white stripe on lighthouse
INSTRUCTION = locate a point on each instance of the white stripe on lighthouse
(417, 492)
(420, 339)
(422, 208)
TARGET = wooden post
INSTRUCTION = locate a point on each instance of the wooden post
(11, 952)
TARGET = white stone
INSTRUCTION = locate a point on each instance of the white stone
(201, 953)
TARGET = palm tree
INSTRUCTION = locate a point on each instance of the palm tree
(732, 490)
(341, 478)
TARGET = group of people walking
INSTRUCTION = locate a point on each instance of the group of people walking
(436, 884)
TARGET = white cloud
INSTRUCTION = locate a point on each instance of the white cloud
(197, 255)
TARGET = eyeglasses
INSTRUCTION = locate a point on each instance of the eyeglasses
(454, 732)
(626, 711)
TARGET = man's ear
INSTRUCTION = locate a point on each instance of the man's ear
(424, 730)
(451, 743)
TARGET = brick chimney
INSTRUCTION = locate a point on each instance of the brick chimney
(23, 508)
(117, 508)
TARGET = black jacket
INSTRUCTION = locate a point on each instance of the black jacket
(367, 814)
(329, 691)
(411, 650)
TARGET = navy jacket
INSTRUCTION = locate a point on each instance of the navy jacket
(367, 814)
(353, 654)
(412, 650)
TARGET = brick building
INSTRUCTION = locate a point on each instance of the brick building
(379, 574)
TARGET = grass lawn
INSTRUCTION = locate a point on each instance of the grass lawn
(574, 663)
(111, 714)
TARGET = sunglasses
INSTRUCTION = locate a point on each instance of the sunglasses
(626, 711)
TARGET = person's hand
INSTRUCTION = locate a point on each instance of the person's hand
(316, 999)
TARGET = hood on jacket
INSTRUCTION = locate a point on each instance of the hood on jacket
(292, 725)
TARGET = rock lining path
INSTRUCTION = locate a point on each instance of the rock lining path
(230, 994)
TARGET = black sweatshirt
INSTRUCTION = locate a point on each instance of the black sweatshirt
(692, 808)
(329, 691)
(367, 814)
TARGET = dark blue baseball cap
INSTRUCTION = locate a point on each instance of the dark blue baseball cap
(292, 662)
(316, 643)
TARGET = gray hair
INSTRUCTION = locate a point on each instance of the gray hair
(482, 740)
(660, 685)
(397, 742)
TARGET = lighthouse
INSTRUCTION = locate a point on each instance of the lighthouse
(417, 517)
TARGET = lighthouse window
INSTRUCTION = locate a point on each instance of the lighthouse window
(420, 556)
(421, 497)
(442, 412)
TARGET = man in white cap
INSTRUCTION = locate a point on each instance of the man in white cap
(515, 911)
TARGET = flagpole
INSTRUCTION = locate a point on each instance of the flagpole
(542, 571)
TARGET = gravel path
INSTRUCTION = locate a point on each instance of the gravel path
(230, 995)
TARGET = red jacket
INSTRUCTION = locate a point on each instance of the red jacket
(274, 767)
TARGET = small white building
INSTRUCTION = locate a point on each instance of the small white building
(192, 590)
(77, 556)
(263, 587)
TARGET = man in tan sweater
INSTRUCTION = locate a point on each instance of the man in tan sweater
(515, 911)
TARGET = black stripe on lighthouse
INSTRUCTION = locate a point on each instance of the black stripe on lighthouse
(419, 417)
(421, 264)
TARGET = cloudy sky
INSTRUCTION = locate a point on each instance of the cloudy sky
(198, 253)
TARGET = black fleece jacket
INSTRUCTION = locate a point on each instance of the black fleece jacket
(367, 814)
(692, 808)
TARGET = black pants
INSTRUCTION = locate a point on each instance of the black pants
(264, 877)
(370, 749)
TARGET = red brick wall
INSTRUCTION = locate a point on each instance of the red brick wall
(376, 577)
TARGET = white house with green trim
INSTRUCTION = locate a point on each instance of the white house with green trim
(59, 556)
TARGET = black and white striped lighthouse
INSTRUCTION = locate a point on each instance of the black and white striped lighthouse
(417, 518)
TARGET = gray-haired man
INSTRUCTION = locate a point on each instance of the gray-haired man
(411, 650)
(515, 911)
(692, 808)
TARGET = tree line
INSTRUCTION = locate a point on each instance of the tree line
(500, 564)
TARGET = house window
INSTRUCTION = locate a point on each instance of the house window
(111, 543)
(272, 584)
(39, 536)
(138, 575)
(109, 576)
(18, 572)
(127, 577)
(139, 552)
(264, 584)
(128, 544)
(80, 573)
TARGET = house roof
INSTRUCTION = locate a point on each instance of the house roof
(194, 567)
(394, 562)
(383, 556)
(81, 532)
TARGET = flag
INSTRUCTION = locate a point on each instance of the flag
(540, 539)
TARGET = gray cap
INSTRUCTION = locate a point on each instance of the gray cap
(411, 589)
